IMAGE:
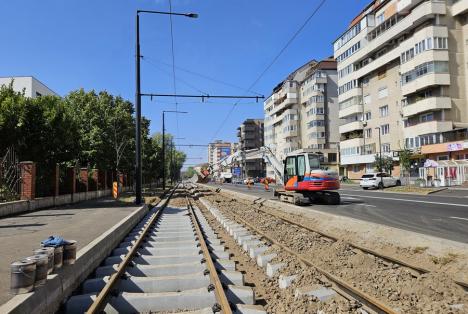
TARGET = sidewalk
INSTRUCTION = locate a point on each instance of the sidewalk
(82, 222)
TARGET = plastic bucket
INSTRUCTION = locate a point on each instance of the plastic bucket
(58, 257)
(69, 253)
(23, 275)
(42, 261)
(49, 251)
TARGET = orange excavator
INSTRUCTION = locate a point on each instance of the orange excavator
(302, 179)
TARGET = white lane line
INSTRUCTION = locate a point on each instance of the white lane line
(350, 198)
(459, 218)
(405, 200)
(368, 205)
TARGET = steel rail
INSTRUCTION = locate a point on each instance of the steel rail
(101, 298)
(364, 298)
(219, 290)
(418, 269)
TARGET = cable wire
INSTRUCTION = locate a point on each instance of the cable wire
(204, 76)
(288, 43)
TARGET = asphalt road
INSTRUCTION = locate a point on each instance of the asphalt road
(443, 214)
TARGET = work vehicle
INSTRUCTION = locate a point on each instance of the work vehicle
(378, 180)
(300, 176)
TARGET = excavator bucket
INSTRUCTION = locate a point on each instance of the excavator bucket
(201, 176)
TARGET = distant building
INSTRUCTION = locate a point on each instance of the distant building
(302, 112)
(250, 135)
(31, 86)
(402, 82)
(218, 150)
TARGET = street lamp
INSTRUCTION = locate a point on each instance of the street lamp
(380, 151)
(164, 145)
(138, 194)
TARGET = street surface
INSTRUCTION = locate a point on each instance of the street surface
(82, 222)
(444, 214)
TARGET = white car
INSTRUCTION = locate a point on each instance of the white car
(378, 180)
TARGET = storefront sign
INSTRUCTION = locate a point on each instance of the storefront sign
(454, 147)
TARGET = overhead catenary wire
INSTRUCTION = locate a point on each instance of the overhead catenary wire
(278, 55)
(178, 78)
(209, 78)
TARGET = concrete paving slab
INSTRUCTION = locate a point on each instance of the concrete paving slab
(82, 222)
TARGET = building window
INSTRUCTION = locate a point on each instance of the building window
(443, 157)
(386, 148)
(383, 92)
(426, 117)
(38, 94)
(331, 157)
(368, 133)
(369, 168)
(385, 129)
(356, 168)
(379, 19)
(368, 116)
(383, 111)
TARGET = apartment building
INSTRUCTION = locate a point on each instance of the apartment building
(32, 87)
(250, 136)
(302, 112)
(218, 150)
(401, 75)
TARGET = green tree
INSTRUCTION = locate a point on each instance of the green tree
(106, 129)
(405, 162)
(40, 129)
(386, 162)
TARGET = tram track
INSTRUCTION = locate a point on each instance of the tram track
(171, 262)
(315, 240)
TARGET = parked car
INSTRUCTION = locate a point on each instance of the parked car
(378, 180)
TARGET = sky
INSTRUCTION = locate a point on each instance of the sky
(90, 44)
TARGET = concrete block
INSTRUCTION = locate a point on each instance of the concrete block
(251, 243)
(272, 269)
(255, 251)
(240, 294)
(229, 277)
(262, 260)
(249, 309)
(248, 237)
(321, 293)
(286, 281)
(225, 264)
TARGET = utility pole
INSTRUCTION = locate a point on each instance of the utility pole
(138, 194)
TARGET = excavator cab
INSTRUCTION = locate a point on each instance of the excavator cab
(297, 167)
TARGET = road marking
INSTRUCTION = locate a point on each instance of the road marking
(368, 205)
(405, 200)
(350, 198)
(459, 218)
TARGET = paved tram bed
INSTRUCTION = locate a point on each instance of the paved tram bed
(83, 222)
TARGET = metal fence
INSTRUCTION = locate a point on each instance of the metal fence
(10, 176)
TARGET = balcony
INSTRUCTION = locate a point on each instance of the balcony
(423, 12)
(425, 81)
(354, 92)
(357, 159)
(290, 133)
(427, 104)
(349, 127)
(459, 7)
(426, 56)
(354, 142)
(427, 128)
(289, 100)
(351, 110)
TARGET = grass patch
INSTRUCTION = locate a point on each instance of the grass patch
(420, 249)
(412, 189)
(444, 260)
